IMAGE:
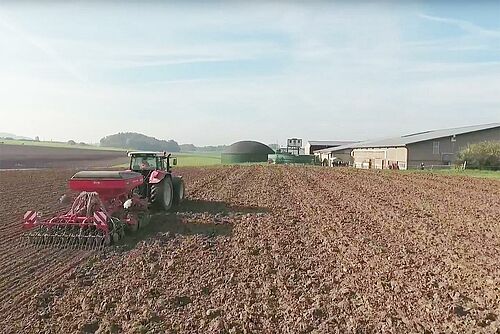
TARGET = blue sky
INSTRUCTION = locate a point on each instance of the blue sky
(214, 73)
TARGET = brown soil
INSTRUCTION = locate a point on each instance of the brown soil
(25, 156)
(269, 249)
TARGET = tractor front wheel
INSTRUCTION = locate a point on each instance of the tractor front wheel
(162, 194)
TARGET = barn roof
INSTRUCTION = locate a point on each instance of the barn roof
(414, 137)
(330, 142)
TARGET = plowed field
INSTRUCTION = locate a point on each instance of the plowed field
(25, 156)
(268, 249)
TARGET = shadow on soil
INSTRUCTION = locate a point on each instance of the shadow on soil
(216, 207)
(179, 221)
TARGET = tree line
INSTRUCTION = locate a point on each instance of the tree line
(485, 155)
(193, 148)
(138, 141)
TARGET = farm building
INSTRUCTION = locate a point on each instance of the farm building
(328, 156)
(246, 151)
(289, 158)
(432, 148)
(315, 145)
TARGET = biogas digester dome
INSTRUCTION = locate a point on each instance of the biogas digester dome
(245, 151)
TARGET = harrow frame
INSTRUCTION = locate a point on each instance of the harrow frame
(99, 215)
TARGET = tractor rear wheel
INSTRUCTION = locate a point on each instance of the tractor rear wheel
(179, 190)
(162, 194)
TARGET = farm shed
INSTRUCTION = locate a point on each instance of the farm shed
(434, 147)
(315, 145)
(342, 154)
(289, 158)
(246, 151)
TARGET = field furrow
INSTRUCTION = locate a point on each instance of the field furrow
(269, 249)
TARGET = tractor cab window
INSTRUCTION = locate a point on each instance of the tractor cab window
(144, 163)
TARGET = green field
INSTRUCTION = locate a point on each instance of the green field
(192, 159)
(57, 145)
(185, 159)
(489, 174)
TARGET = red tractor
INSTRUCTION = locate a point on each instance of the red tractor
(109, 203)
(160, 187)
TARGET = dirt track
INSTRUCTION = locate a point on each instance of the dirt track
(271, 249)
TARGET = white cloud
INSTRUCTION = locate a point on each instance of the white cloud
(347, 72)
(42, 46)
(466, 26)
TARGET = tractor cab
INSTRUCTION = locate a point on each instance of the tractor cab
(143, 162)
(161, 187)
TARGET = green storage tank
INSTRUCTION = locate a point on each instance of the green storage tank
(287, 158)
(246, 151)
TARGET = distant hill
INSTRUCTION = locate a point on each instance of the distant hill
(193, 148)
(188, 148)
(138, 141)
(13, 136)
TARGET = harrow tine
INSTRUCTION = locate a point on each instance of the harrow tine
(66, 237)
(67, 241)
(71, 240)
(61, 240)
(79, 240)
(98, 242)
(46, 239)
(88, 243)
(74, 242)
(58, 240)
(39, 240)
(52, 241)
